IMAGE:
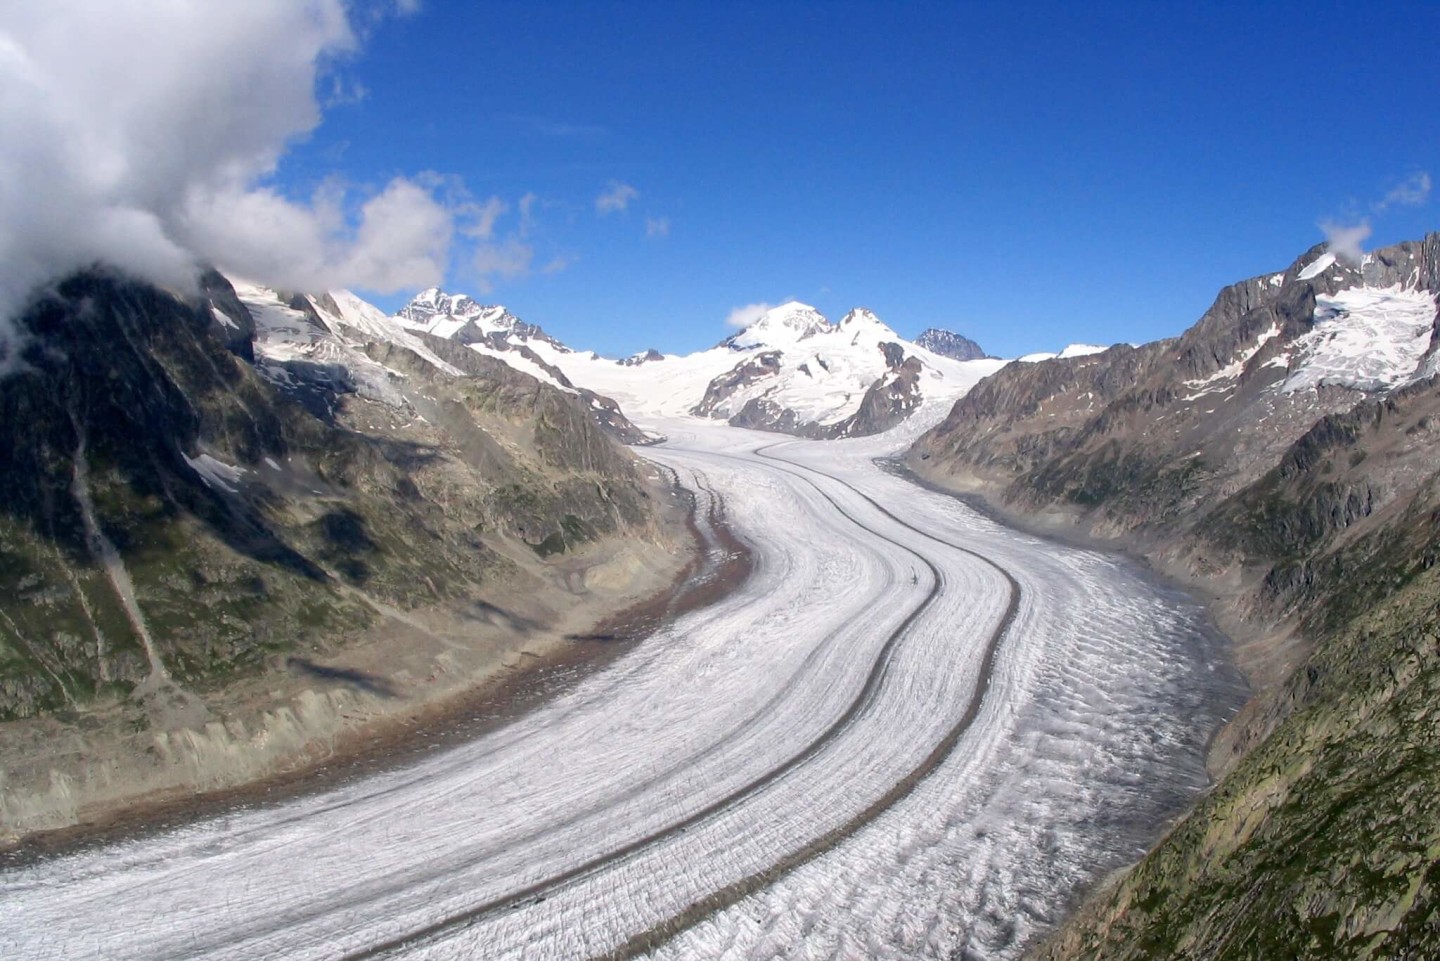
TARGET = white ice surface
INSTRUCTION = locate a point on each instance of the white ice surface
(1366, 338)
(284, 335)
(783, 326)
(373, 324)
(1103, 694)
(521, 363)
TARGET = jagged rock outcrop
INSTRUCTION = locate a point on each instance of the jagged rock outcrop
(754, 370)
(889, 400)
(947, 343)
(1155, 436)
(645, 357)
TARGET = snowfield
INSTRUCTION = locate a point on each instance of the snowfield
(911, 733)
(1365, 338)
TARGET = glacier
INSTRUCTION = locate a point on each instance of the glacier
(910, 733)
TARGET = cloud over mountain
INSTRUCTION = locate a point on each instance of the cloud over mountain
(142, 135)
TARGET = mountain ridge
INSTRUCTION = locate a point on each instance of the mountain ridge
(790, 370)
(1279, 456)
(237, 525)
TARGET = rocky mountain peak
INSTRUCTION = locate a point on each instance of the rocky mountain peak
(947, 343)
(643, 357)
(860, 315)
(460, 317)
(433, 303)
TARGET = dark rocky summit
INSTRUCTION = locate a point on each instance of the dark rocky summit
(947, 343)
(1313, 514)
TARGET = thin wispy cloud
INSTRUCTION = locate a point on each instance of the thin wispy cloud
(507, 260)
(557, 129)
(527, 213)
(345, 92)
(615, 198)
(657, 226)
(1413, 191)
(484, 217)
(1345, 236)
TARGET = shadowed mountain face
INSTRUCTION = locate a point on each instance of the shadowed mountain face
(1283, 454)
(178, 505)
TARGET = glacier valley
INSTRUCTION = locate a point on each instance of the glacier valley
(910, 733)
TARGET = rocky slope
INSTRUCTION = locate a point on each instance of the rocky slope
(1281, 454)
(491, 330)
(204, 489)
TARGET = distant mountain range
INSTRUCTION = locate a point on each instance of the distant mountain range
(791, 370)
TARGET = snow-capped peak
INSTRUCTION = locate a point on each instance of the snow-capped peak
(436, 312)
(782, 326)
(861, 324)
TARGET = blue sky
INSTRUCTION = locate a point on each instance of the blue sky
(1027, 176)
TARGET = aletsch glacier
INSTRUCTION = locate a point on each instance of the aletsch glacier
(650, 786)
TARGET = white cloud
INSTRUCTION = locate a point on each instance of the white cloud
(1413, 191)
(485, 216)
(657, 226)
(403, 240)
(747, 315)
(139, 134)
(1346, 240)
(615, 198)
(527, 213)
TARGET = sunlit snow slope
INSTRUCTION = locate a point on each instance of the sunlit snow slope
(789, 359)
(911, 732)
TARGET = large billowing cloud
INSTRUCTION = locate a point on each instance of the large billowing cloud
(141, 133)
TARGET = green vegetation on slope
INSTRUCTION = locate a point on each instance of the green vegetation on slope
(1324, 841)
